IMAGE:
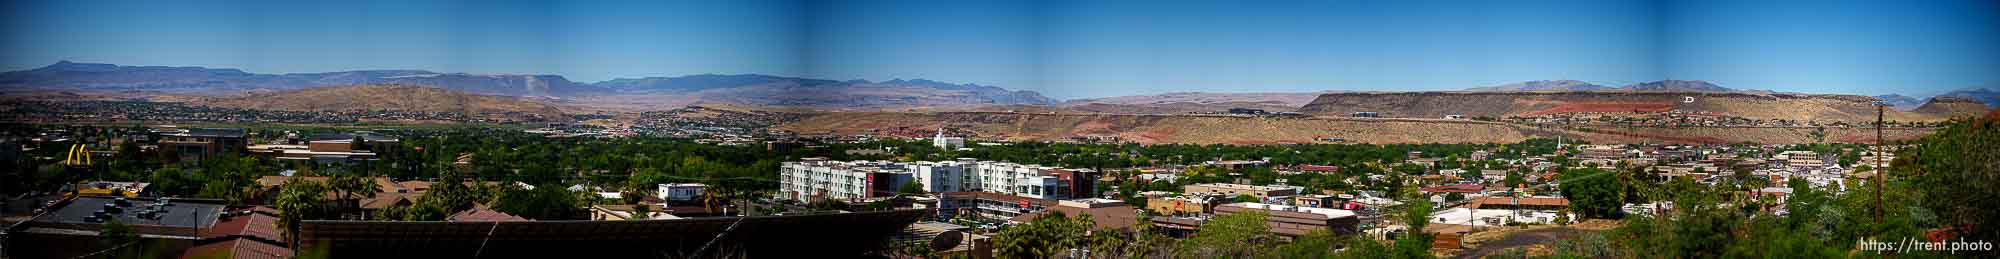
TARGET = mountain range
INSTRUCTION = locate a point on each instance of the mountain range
(1579, 86)
(746, 89)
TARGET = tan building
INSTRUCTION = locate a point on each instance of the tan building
(1803, 159)
(1183, 205)
(1232, 190)
(1293, 221)
(198, 144)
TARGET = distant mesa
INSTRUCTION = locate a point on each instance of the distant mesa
(1901, 102)
(1985, 95)
(1676, 86)
(1541, 85)
(1786, 106)
(749, 89)
(1578, 86)
(1952, 106)
(389, 97)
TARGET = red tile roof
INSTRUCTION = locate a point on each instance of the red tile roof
(1462, 188)
(256, 225)
(483, 214)
(238, 248)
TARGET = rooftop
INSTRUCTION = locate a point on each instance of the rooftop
(206, 132)
(179, 213)
(1241, 186)
(1329, 213)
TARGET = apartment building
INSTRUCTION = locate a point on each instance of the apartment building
(835, 180)
(854, 179)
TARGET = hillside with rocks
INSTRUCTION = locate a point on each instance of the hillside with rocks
(1192, 129)
(401, 98)
(1503, 104)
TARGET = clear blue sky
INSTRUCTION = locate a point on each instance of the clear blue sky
(1065, 49)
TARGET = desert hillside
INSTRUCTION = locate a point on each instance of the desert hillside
(387, 98)
(1503, 104)
(1188, 129)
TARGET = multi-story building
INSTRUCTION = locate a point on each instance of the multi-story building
(947, 176)
(1232, 190)
(1183, 205)
(680, 191)
(847, 181)
(1606, 152)
(198, 144)
(1806, 159)
(1480, 155)
(853, 180)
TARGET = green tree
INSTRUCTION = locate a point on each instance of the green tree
(1047, 236)
(300, 200)
(1953, 173)
(911, 188)
(1415, 243)
(548, 202)
(1592, 193)
(1246, 198)
(1237, 235)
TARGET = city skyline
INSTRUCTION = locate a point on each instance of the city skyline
(1066, 50)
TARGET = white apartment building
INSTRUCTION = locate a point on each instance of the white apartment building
(852, 179)
(1015, 179)
(946, 176)
(680, 191)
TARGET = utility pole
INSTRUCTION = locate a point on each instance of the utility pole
(1879, 173)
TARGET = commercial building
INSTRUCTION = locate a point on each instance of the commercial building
(986, 205)
(1107, 214)
(1232, 190)
(1519, 203)
(1294, 221)
(680, 191)
(1803, 159)
(200, 143)
(1605, 152)
(1183, 205)
(72, 227)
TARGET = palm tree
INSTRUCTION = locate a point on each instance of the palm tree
(298, 201)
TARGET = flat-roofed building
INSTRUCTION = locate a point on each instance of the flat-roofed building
(1108, 214)
(72, 227)
(680, 191)
(1232, 190)
(1803, 159)
(853, 180)
(203, 143)
(987, 205)
(847, 181)
(1292, 221)
(1183, 205)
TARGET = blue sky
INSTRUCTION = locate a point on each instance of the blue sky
(1065, 49)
